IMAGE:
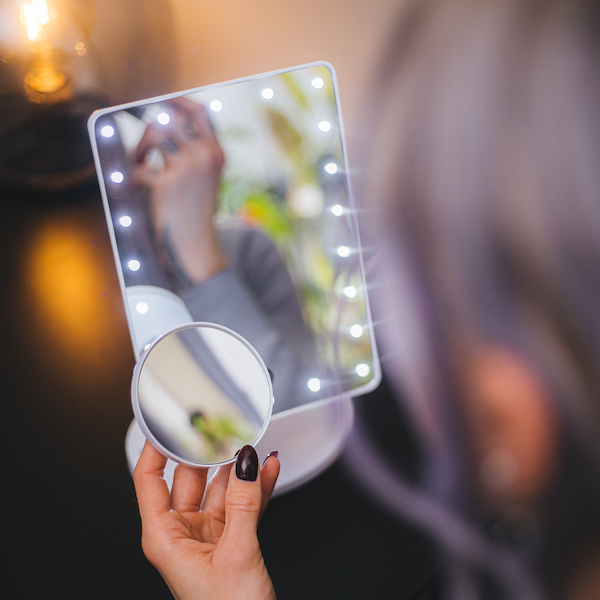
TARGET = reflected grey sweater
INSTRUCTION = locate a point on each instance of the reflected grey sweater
(256, 298)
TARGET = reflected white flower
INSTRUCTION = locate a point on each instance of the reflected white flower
(307, 201)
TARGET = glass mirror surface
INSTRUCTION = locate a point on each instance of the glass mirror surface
(234, 200)
(202, 393)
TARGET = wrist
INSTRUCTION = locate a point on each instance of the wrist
(202, 259)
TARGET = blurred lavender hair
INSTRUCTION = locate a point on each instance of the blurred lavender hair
(485, 170)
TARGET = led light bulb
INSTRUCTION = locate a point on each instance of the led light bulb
(142, 308)
(134, 265)
(363, 369)
(163, 118)
(117, 177)
(314, 384)
(107, 131)
(125, 221)
(356, 331)
(216, 106)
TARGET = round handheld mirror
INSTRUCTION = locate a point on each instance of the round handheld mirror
(200, 392)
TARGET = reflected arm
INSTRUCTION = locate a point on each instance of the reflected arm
(256, 298)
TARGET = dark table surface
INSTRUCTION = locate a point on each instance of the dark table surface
(72, 528)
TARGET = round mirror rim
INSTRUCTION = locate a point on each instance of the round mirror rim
(135, 400)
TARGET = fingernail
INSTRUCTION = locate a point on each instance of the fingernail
(246, 466)
(237, 452)
(274, 453)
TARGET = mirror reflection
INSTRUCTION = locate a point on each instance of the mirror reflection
(201, 392)
(234, 202)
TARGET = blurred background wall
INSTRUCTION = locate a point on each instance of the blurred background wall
(218, 41)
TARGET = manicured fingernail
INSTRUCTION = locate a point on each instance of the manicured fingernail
(246, 466)
(274, 453)
(237, 452)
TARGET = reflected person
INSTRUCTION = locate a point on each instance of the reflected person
(234, 275)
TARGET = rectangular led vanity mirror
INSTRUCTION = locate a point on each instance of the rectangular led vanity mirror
(230, 204)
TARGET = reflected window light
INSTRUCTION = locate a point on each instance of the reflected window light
(331, 168)
(356, 331)
(350, 291)
(267, 93)
(125, 221)
(314, 384)
(216, 106)
(142, 308)
(163, 118)
(134, 265)
(343, 251)
(325, 126)
(337, 210)
(363, 369)
(117, 177)
(318, 83)
(107, 131)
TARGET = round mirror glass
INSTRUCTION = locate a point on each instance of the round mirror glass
(201, 392)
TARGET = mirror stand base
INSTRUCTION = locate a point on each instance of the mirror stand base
(308, 439)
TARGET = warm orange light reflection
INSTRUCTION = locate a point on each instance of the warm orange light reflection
(74, 317)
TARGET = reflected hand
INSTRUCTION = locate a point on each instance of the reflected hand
(202, 539)
(184, 194)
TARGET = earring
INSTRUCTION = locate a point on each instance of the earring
(498, 470)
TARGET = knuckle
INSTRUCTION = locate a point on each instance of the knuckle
(242, 501)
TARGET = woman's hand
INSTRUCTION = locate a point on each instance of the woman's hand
(202, 538)
(184, 193)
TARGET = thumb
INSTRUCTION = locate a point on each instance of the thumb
(243, 501)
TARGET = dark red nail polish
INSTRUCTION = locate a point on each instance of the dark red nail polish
(246, 465)
(274, 453)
